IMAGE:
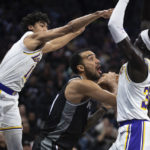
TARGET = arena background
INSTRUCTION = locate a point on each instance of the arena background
(53, 71)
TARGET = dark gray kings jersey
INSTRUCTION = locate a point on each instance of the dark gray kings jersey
(66, 122)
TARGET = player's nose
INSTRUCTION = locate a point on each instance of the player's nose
(45, 29)
(97, 60)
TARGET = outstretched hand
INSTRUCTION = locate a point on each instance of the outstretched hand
(109, 81)
(108, 78)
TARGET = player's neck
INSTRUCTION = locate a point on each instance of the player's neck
(83, 76)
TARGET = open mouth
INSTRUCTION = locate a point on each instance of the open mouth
(98, 68)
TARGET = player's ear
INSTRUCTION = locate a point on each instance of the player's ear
(30, 27)
(80, 68)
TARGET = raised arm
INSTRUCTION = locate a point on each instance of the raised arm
(80, 89)
(137, 68)
(38, 39)
(84, 21)
(60, 42)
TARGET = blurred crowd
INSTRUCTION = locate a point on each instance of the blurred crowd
(53, 71)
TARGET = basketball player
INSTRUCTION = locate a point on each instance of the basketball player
(22, 58)
(133, 86)
(68, 114)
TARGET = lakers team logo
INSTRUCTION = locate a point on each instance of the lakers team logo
(37, 58)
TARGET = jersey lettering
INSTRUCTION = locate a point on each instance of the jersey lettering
(147, 97)
(27, 75)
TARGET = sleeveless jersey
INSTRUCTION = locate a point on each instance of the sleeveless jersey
(66, 122)
(132, 98)
(18, 64)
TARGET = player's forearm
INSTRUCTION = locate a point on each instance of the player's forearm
(103, 96)
(109, 98)
(59, 42)
(91, 89)
(54, 33)
(94, 118)
(85, 20)
(116, 21)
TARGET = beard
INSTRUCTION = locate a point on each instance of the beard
(90, 75)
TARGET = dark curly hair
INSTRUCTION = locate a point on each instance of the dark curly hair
(32, 18)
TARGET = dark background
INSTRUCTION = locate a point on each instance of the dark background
(53, 71)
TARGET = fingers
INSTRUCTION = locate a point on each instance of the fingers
(110, 74)
(108, 77)
(107, 13)
(111, 10)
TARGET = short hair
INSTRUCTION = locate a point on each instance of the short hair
(76, 60)
(32, 18)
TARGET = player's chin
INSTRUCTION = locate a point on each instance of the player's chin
(99, 73)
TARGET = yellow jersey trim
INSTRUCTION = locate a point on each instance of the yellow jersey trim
(9, 128)
(143, 135)
(125, 147)
(126, 73)
(32, 52)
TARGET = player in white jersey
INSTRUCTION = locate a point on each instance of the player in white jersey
(21, 60)
(133, 86)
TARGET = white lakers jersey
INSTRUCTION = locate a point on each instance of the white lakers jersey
(132, 98)
(18, 64)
